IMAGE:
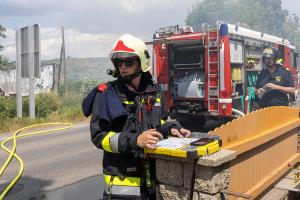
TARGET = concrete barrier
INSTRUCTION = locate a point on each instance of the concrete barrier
(211, 176)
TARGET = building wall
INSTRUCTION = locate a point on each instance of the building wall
(43, 84)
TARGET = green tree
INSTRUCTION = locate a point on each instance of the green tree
(261, 15)
(3, 60)
(292, 26)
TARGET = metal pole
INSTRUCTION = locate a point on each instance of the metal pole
(296, 39)
(54, 79)
(18, 74)
(64, 59)
(59, 71)
(31, 71)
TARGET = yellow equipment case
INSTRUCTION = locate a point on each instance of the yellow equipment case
(190, 149)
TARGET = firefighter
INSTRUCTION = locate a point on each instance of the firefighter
(275, 82)
(129, 115)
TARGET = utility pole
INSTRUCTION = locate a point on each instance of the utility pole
(295, 35)
(59, 70)
(55, 77)
(62, 61)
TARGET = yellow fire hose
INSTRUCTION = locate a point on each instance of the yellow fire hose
(13, 150)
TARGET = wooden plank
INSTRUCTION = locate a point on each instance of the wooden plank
(250, 168)
(236, 194)
(250, 143)
(256, 123)
(272, 177)
(266, 145)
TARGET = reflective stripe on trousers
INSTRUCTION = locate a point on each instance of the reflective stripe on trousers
(128, 186)
(122, 190)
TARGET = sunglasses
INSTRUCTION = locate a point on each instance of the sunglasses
(127, 62)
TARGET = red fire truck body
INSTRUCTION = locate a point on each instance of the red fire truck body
(213, 73)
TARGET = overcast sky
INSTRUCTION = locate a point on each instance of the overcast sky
(91, 26)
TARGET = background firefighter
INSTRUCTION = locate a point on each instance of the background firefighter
(274, 82)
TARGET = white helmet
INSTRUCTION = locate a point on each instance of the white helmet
(130, 46)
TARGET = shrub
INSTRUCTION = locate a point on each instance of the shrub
(7, 108)
(46, 104)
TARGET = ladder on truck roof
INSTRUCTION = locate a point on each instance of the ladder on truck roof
(211, 43)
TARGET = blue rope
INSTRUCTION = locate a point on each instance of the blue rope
(242, 101)
(251, 94)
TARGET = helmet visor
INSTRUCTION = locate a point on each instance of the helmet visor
(128, 62)
(121, 55)
(124, 58)
(268, 55)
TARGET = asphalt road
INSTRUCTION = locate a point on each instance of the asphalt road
(60, 165)
(53, 161)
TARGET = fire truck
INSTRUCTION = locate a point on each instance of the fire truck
(212, 73)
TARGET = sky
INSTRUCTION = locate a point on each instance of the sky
(91, 26)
